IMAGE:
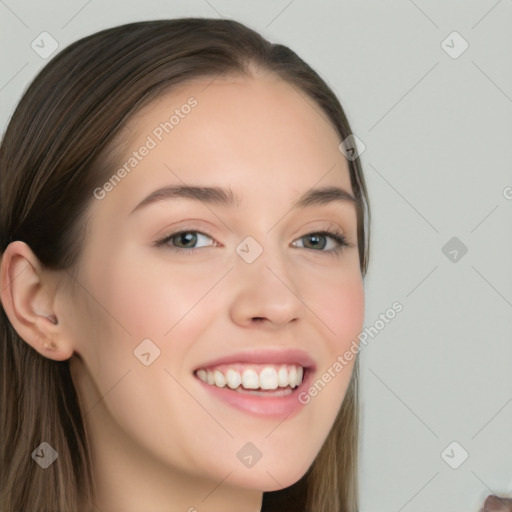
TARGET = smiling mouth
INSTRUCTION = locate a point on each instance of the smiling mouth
(254, 379)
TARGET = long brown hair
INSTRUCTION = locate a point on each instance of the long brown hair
(59, 146)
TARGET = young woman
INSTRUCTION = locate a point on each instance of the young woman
(183, 245)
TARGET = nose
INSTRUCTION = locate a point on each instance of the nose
(266, 292)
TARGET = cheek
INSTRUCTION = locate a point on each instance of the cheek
(339, 306)
(350, 312)
(339, 310)
(151, 301)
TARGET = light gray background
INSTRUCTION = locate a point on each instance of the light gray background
(437, 132)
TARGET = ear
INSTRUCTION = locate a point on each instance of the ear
(28, 295)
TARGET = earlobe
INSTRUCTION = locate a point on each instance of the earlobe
(50, 343)
(27, 296)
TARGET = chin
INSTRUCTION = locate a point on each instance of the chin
(268, 480)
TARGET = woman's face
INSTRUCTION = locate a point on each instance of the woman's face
(262, 290)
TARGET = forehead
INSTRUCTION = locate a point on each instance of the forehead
(260, 136)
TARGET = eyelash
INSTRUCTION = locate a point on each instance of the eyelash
(336, 235)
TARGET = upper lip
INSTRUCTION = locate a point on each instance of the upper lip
(262, 356)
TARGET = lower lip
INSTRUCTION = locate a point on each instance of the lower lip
(268, 406)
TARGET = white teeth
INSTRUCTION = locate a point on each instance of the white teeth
(250, 379)
(292, 377)
(300, 374)
(220, 380)
(269, 377)
(282, 377)
(234, 379)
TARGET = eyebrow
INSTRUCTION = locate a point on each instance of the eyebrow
(227, 198)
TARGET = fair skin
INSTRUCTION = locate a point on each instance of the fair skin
(160, 440)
